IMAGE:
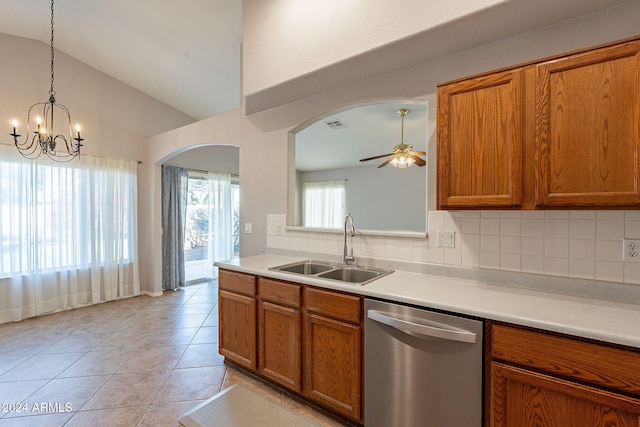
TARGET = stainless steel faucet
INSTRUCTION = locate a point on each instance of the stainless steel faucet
(348, 258)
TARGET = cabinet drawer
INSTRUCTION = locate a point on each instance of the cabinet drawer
(239, 283)
(587, 362)
(287, 294)
(334, 304)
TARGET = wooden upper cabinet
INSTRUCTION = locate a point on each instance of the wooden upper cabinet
(480, 142)
(562, 132)
(587, 128)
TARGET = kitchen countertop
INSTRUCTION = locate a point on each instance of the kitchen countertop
(609, 321)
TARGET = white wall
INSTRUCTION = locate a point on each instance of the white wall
(115, 118)
(212, 158)
(380, 199)
(304, 36)
(293, 50)
(263, 139)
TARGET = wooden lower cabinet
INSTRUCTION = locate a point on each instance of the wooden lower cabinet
(545, 380)
(333, 350)
(334, 364)
(523, 398)
(280, 333)
(308, 340)
(237, 328)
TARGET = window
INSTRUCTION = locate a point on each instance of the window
(323, 204)
(56, 216)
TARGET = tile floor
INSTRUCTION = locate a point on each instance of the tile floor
(141, 361)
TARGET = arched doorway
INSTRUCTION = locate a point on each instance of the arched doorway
(212, 186)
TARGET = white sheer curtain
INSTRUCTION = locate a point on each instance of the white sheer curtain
(68, 233)
(220, 241)
(323, 204)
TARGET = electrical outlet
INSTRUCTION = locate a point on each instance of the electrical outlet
(631, 250)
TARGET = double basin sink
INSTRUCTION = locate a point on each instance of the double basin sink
(351, 274)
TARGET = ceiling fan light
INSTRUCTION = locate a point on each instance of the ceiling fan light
(402, 161)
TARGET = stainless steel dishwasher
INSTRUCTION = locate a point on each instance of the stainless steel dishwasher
(421, 368)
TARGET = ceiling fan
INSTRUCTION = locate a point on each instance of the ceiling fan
(403, 155)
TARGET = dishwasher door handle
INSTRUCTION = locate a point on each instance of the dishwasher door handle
(433, 330)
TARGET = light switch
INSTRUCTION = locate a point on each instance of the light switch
(446, 239)
(248, 228)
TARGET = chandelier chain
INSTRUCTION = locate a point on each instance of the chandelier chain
(51, 91)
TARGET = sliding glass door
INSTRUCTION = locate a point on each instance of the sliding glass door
(212, 223)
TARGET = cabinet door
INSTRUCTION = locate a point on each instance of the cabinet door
(522, 398)
(480, 142)
(237, 323)
(280, 349)
(587, 133)
(333, 364)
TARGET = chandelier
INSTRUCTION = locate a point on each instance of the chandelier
(44, 140)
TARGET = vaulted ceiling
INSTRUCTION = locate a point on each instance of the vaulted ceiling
(185, 54)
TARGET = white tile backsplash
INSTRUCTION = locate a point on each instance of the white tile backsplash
(533, 227)
(609, 250)
(582, 268)
(489, 243)
(511, 227)
(470, 258)
(612, 215)
(556, 266)
(632, 229)
(611, 271)
(490, 260)
(471, 225)
(510, 262)
(582, 249)
(556, 247)
(582, 229)
(490, 226)
(610, 229)
(584, 244)
(632, 272)
(533, 264)
(556, 228)
(533, 246)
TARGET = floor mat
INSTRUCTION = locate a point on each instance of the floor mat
(238, 406)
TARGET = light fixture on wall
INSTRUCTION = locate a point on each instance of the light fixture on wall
(45, 141)
(403, 155)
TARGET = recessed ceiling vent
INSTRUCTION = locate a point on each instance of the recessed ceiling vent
(336, 124)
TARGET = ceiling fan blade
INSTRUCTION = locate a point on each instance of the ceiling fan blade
(421, 153)
(376, 157)
(418, 160)
(386, 162)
